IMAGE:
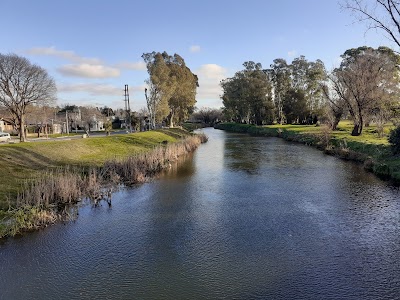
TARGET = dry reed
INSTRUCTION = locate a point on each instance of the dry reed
(44, 200)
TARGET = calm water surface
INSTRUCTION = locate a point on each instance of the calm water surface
(243, 218)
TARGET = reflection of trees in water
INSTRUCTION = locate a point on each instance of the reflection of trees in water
(250, 154)
(181, 168)
(244, 154)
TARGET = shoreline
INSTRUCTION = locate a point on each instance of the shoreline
(49, 198)
(338, 147)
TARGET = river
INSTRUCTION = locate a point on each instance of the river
(242, 218)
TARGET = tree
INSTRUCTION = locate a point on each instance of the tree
(108, 127)
(302, 78)
(247, 96)
(295, 108)
(183, 100)
(335, 106)
(41, 117)
(234, 98)
(207, 115)
(160, 87)
(367, 82)
(107, 111)
(280, 75)
(171, 89)
(90, 116)
(23, 84)
(307, 76)
(379, 14)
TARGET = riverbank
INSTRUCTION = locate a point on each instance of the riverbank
(42, 179)
(368, 149)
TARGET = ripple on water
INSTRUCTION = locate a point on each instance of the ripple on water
(244, 218)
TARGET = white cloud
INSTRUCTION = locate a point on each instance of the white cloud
(65, 54)
(138, 66)
(89, 71)
(93, 89)
(212, 71)
(98, 89)
(100, 94)
(210, 76)
(292, 53)
(195, 48)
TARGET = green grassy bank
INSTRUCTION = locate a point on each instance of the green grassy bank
(42, 181)
(372, 151)
(27, 161)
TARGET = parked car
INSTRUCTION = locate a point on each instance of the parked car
(5, 137)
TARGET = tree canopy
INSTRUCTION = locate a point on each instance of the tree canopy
(367, 84)
(297, 91)
(171, 92)
(23, 84)
(247, 96)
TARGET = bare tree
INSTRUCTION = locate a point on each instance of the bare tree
(207, 115)
(334, 104)
(90, 116)
(23, 84)
(366, 85)
(379, 14)
(40, 116)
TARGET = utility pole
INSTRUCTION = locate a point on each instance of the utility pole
(66, 122)
(127, 109)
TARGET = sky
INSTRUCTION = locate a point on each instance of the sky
(93, 48)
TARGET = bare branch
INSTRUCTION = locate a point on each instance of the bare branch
(383, 15)
(23, 84)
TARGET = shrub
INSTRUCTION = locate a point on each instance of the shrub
(394, 140)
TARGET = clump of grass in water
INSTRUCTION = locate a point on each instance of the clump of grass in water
(58, 187)
(44, 200)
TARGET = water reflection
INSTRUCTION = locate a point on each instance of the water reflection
(243, 154)
(243, 218)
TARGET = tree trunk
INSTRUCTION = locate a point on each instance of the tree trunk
(358, 127)
(171, 120)
(22, 132)
(358, 124)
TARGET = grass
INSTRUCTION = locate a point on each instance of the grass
(27, 161)
(55, 186)
(370, 149)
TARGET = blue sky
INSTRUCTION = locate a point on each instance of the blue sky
(93, 48)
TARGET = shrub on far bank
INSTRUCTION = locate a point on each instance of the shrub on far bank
(394, 140)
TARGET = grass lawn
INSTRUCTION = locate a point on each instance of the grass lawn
(369, 134)
(22, 161)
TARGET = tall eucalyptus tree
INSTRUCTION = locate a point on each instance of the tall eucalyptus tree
(171, 92)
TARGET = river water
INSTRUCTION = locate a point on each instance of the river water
(243, 218)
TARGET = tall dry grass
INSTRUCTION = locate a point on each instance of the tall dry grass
(141, 167)
(46, 200)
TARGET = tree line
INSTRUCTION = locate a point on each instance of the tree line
(364, 87)
(289, 93)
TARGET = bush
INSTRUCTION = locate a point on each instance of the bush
(394, 140)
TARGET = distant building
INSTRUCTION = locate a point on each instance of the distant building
(57, 128)
(6, 126)
(96, 125)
